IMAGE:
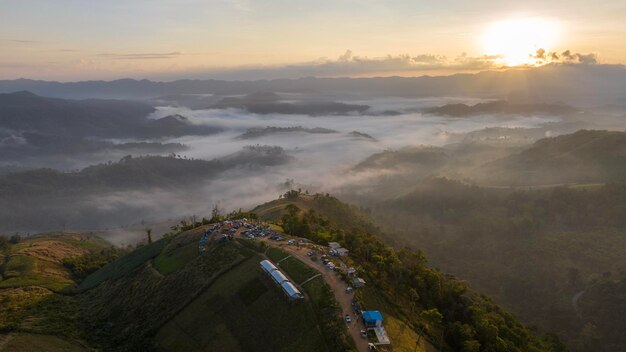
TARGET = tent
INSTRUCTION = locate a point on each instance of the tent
(372, 318)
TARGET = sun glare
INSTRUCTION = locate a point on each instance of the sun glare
(516, 40)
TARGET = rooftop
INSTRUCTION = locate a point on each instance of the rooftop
(291, 290)
(279, 276)
(372, 315)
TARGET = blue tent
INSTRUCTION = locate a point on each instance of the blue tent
(372, 318)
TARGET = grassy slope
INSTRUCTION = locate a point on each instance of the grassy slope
(402, 335)
(240, 309)
(123, 265)
(31, 275)
(217, 300)
(25, 342)
(229, 311)
(329, 315)
(37, 261)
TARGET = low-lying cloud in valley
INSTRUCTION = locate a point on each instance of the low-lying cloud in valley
(321, 162)
(256, 139)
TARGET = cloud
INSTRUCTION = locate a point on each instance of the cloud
(25, 41)
(543, 57)
(142, 56)
(349, 64)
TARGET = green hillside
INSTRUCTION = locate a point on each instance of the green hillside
(418, 299)
(532, 250)
(166, 296)
(237, 311)
(163, 296)
(35, 271)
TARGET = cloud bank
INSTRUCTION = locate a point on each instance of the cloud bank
(351, 65)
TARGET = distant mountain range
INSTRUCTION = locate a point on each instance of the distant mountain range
(270, 130)
(577, 85)
(501, 107)
(25, 111)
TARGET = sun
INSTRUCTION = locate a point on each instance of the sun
(515, 40)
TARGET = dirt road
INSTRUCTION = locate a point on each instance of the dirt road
(339, 290)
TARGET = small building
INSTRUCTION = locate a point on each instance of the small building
(372, 319)
(334, 245)
(278, 276)
(291, 290)
(358, 282)
(341, 252)
(267, 266)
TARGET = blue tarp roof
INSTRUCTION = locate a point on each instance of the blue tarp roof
(372, 316)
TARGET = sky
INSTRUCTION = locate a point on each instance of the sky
(238, 39)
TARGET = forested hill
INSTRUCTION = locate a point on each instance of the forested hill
(29, 200)
(584, 156)
(401, 280)
(554, 256)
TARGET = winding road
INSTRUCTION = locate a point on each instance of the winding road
(337, 286)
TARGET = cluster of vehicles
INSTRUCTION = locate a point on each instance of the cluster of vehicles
(277, 238)
(255, 230)
(330, 265)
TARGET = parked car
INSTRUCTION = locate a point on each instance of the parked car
(348, 319)
(364, 334)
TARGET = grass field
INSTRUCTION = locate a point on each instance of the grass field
(38, 260)
(275, 254)
(277, 228)
(123, 265)
(297, 270)
(238, 311)
(22, 270)
(167, 263)
(402, 336)
(23, 342)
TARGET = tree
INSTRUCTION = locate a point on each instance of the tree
(432, 317)
(149, 234)
(4, 243)
(15, 239)
(216, 214)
